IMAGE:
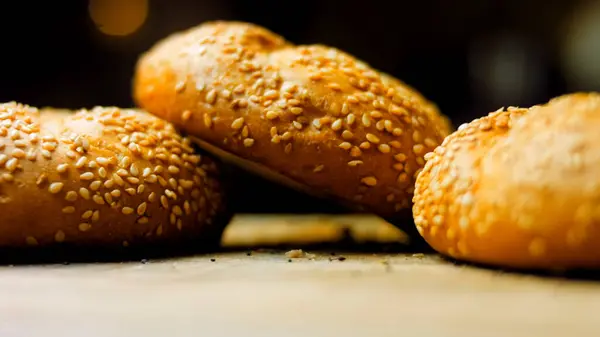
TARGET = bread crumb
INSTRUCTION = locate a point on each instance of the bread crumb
(295, 253)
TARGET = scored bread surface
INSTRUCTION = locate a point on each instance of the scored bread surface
(312, 113)
(105, 176)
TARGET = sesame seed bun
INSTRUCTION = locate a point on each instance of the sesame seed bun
(517, 188)
(103, 177)
(311, 117)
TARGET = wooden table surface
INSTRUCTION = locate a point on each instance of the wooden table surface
(263, 295)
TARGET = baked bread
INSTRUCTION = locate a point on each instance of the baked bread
(103, 177)
(311, 117)
(518, 188)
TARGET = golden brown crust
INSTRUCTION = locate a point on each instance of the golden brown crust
(311, 113)
(520, 194)
(106, 176)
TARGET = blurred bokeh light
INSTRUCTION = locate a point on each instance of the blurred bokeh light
(118, 17)
(581, 47)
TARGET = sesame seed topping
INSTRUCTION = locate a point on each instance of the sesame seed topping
(372, 138)
(31, 241)
(238, 123)
(68, 210)
(185, 115)
(369, 181)
(98, 199)
(55, 188)
(59, 236)
(11, 164)
(71, 196)
(127, 210)
(86, 176)
(84, 227)
(62, 168)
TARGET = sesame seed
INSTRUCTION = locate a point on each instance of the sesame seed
(71, 196)
(237, 123)
(68, 210)
(142, 220)
(272, 115)
(416, 136)
(345, 146)
(84, 227)
(248, 142)
(207, 120)
(62, 168)
(117, 179)
(296, 110)
(347, 135)
(133, 170)
(127, 210)
(141, 209)
(20, 143)
(395, 144)
(59, 236)
(31, 241)
(86, 176)
(354, 163)
(369, 181)
(96, 216)
(87, 214)
(11, 164)
(98, 199)
(430, 143)
(372, 138)
(350, 119)
(115, 193)
(81, 162)
(164, 202)
(130, 191)
(185, 115)
(366, 121)
(55, 188)
(95, 185)
(102, 161)
(336, 125)
(401, 157)
(418, 149)
(109, 183)
(384, 148)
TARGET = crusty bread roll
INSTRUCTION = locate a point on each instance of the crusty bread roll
(311, 117)
(103, 177)
(517, 188)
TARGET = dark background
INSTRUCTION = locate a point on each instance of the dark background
(470, 56)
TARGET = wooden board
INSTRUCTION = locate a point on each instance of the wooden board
(264, 295)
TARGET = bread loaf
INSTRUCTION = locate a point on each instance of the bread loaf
(312, 117)
(105, 177)
(518, 188)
